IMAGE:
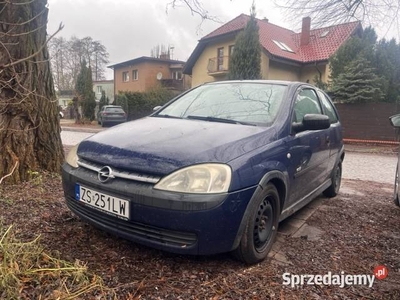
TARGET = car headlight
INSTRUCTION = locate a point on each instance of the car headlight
(204, 178)
(72, 157)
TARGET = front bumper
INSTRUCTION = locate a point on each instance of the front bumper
(180, 223)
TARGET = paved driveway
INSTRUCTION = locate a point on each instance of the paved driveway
(373, 167)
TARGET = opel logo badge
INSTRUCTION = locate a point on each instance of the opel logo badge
(105, 174)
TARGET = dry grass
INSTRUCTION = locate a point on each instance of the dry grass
(27, 272)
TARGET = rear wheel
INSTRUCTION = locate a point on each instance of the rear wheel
(102, 123)
(336, 177)
(261, 228)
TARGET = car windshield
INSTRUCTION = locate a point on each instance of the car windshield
(245, 103)
(114, 109)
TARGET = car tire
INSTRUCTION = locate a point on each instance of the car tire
(396, 188)
(102, 123)
(336, 177)
(262, 225)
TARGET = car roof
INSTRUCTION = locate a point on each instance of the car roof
(277, 82)
(112, 106)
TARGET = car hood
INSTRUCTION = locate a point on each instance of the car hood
(159, 145)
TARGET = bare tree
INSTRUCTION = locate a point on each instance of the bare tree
(29, 125)
(161, 51)
(377, 13)
(196, 7)
(67, 56)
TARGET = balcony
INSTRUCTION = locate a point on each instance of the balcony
(218, 66)
(173, 84)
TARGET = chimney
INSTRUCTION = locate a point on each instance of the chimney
(305, 31)
(265, 20)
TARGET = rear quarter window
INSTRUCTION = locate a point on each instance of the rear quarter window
(114, 109)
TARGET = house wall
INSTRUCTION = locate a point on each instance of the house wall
(130, 85)
(199, 70)
(309, 73)
(64, 99)
(280, 71)
(147, 76)
(107, 86)
(264, 65)
(150, 73)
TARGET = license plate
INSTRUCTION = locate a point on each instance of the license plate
(103, 202)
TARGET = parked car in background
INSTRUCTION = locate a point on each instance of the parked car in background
(111, 114)
(395, 122)
(214, 170)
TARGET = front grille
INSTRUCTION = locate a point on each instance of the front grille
(134, 229)
(119, 173)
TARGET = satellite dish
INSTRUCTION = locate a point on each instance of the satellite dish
(159, 76)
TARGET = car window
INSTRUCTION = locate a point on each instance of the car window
(328, 107)
(255, 103)
(306, 103)
(114, 109)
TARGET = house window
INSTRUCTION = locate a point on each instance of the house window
(177, 75)
(220, 59)
(231, 50)
(125, 76)
(99, 89)
(283, 46)
(135, 74)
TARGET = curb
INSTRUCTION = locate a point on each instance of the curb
(79, 129)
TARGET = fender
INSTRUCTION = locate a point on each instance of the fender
(261, 185)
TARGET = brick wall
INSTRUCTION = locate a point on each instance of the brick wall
(368, 121)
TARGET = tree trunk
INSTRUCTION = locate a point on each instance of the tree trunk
(29, 123)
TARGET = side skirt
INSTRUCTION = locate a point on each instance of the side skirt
(304, 201)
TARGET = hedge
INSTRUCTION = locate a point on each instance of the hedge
(141, 104)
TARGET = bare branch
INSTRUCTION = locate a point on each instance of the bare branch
(195, 7)
(34, 54)
(8, 175)
(377, 13)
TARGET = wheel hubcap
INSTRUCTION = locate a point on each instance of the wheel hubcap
(263, 225)
(396, 184)
(338, 177)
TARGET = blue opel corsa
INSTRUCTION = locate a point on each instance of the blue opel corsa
(214, 170)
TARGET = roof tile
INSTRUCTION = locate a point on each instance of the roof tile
(319, 48)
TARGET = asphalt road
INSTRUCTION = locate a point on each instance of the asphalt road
(364, 166)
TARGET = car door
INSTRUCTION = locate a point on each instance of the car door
(335, 131)
(308, 150)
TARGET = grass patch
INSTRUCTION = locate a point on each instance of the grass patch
(27, 272)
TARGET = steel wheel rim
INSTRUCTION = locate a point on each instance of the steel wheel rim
(263, 225)
(338, 177)
(396, 184)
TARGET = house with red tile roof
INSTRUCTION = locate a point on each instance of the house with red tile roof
(285, 55)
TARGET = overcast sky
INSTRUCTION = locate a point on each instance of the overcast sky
(131, 28)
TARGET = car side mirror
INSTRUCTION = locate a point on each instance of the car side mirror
(395, 121)
(157, 108)
(312, 122)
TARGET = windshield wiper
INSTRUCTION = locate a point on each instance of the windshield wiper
(221, 120)
(167, 116)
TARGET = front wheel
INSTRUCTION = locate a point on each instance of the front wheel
(261, 228)
(336, 177)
